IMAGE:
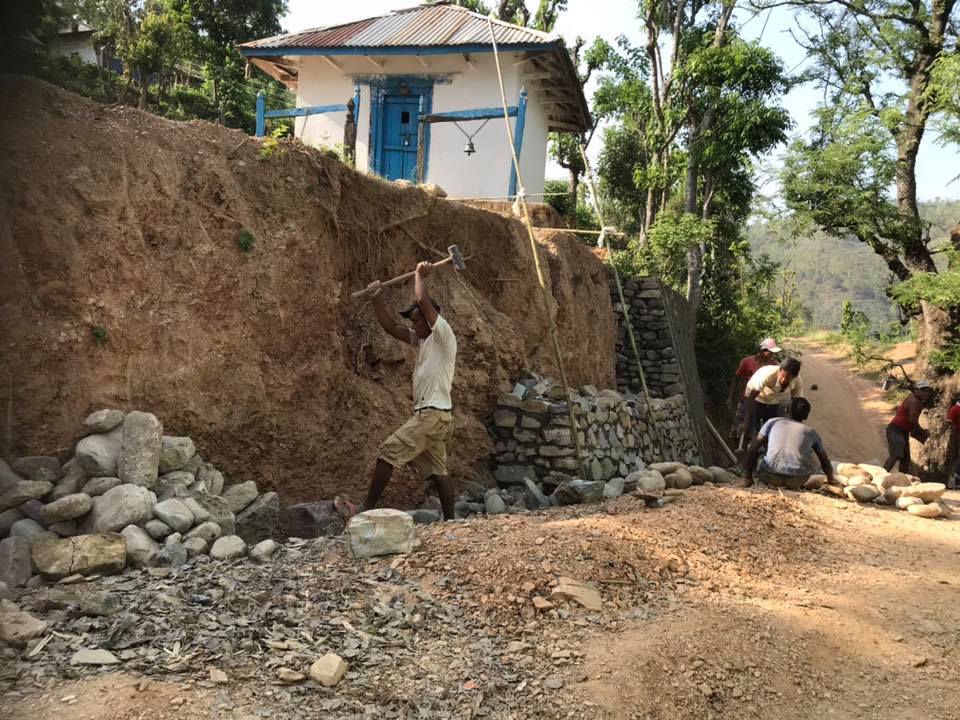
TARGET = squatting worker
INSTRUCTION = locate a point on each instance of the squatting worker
(768, 390)
(423, 439)
(791, 447)
(906, 423)
(748, 366)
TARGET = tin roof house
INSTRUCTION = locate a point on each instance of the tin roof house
(425, 95)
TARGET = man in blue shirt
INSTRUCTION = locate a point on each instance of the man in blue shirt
(790, 450)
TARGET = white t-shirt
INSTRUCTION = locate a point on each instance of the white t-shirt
(765, 382)
(436, 361)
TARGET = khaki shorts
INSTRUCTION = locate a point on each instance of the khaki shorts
(421, 440)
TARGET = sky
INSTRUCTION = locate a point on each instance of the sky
(936, 165)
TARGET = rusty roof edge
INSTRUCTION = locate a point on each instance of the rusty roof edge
(566, 62)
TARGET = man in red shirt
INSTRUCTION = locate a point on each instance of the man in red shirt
(953, 417)
(906, 424)
(748, 366)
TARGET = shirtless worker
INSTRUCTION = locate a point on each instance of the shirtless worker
(791, 447)
(769, 389)
(906, 423)
(423, 439)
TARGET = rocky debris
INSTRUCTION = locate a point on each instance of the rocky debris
(142, 550)
(289, 676)
(208, 531)
(15, 565)
(22, 491)
(72, 481)
(648, 482)
(37, 467)
(240, 495)
(260, 519)
(174, 514)
(139, 460)
(69, 507)
(93, 657)
(579, 491)
(100, 485)
(8, 518)
(264, 550)
(613, 488)
(98, 455)
(172, 555)
(195, 546)
(569, 589)
(118, 507)
(175, 453)
(494, 504)
(700, 474)
(382, 531)
(311, 520)
(328, 670)
(102, 554)
(158, 529)
(16, 627)
(102, 421)
(894, 479)
(866, 483)
(228, 548)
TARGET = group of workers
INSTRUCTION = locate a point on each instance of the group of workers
(771, 412)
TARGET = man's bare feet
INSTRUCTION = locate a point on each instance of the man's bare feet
(345, 508)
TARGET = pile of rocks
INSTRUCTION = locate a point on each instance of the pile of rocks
(616, 433)
(864, 483)
(129, 495)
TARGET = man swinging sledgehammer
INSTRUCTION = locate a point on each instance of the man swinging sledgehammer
(422, 440)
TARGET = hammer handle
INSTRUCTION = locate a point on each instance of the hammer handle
(401, 278)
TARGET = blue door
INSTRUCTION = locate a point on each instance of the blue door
(399, 137)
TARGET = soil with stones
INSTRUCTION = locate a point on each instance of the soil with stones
(729, 603)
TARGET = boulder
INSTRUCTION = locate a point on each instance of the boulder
(99, 485)
(88, 656)
(171, 538)
(98, 455)
(208, 532)
(17, 628)
(216, 507)
(8, 478)
(894, 479)
(175, 514)
(423, 516)
(173, 555)
(195, 546)
(926, 510)
(200, 514)
(535, 496)
(494, 504)
(721, 476)
(28, 529)
(240, 495)
(380, 532)
(263, 550)
(228, 548)
(121, 506)
(863, 493)
(680, 479)
(903, 503)
(72, 481)
(929, 492)
(699, 474)
(8, 518)
(647, 482)
(69, 507)
(38, 467)
(211, 478)
(103, 421)
(311, 520)
(815, 482)
(260, 519)
(173, 483)
(158, 529)
(139, 461)
(613, 488)
(68, 528)
(328, 670)
(101, 554)
(175, 453)
(667, 468)
(24, 491)
(15, 564)
(569, 589)
(579, 491)
(33, 509)
(142, 550)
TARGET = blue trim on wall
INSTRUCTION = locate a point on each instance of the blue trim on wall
(391, 85)
(518, 139)
(478, 114)
(397, 50)
(261, 122)
(304, 110)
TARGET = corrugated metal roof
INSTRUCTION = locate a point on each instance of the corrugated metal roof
(424, 25)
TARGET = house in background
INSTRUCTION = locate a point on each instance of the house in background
(76, 40)
(424, 84)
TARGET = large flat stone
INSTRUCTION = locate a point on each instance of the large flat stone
(240, 495)
(101, 554)
(377, 532)
(23, 491)
(99, 454)
(118, 507)
(139, 461)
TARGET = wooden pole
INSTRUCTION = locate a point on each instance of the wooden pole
(350, 135)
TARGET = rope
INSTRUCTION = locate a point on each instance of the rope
(522, 202)
(595, 198)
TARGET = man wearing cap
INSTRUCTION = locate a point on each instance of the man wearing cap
(423, 439)
(768, 390)
(749, 365)
(906, 424)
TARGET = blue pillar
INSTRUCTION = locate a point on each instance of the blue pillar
(261, 119)
(356, 103)
(518, 139)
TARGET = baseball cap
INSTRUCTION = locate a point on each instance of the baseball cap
(921, 384)
(770, 344)
(407, 311)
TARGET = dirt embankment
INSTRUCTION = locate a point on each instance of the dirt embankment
(122, 222)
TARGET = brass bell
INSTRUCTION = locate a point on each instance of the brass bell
(469, 149)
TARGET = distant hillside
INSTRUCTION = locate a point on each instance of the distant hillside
(830, 270)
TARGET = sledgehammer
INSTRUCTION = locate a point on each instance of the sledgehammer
(455, 257)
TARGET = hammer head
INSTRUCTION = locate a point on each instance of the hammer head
(456, 258)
